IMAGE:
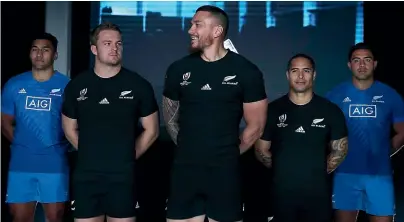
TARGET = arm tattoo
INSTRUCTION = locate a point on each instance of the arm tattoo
(170, 115)
(264, 158)
(339, 150)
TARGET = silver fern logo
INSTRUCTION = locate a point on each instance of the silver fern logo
(226, 80)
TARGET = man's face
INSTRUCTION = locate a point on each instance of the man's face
(301, 75)
(204, 30)
(42, 54)
(362, 64)
(108, 48)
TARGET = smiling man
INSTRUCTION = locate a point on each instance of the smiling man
(304, 140)
(364, 181)
(205, 96)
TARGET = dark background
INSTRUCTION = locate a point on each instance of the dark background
(383, 30)
(153, 38)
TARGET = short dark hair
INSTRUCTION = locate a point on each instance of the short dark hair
(101, 27)
(302, 55)
(47, 36)
(358, 46)
(219, 13)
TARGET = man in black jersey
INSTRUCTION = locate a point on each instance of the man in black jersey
(206, 94)
(101, 111)
(305, 139)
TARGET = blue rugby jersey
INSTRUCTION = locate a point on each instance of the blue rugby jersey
(369, 114)
(39, 143)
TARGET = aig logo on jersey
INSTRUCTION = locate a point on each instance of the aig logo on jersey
(362, 111)
(38, 103)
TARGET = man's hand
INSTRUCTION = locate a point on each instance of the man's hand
(150, 125)
(7, 126)
(263, 153)
(339, 150)
(255, 116)
(171, 115)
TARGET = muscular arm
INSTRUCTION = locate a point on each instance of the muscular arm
(398, 139)
(149, 135)
(263, 153)
(339, 150)
(170, 116)
(7, 126)
(255, 115)
(70, 128)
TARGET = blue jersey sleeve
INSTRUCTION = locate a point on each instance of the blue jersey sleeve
(398, 108)
(7, 98)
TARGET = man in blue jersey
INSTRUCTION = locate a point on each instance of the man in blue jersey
(38, 170)
(364, 180)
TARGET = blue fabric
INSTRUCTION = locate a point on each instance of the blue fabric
(369, 115)
(39, 143)
(37, 187)
(371, 193)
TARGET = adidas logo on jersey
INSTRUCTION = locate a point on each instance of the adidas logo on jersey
(300, 130)
(22, 91)
(206, 87)
(346, 100)
(104, 101)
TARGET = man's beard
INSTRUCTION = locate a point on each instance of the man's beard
(201, 45)
(111, 63)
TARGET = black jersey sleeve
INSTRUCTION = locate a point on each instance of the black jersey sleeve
(171, 84)
(148, 103)
(70, 96)
(252, 84)
(338, 127)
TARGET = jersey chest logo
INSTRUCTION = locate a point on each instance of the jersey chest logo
(230, 80)
(362, 111)
(185, 78)
(356, 110)
(38, 103)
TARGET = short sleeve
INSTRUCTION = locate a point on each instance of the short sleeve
(397, 108)
(253, 85)
(337, 123)
(148, 103)
(7, 99)
(171, 84)
(270, 125)
(69, 107)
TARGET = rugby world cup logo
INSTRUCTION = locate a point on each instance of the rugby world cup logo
(186, 76)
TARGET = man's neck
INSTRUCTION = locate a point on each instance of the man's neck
(214, 52)
(106, 71)
(301, 98)
(362, 84)
(43, 75)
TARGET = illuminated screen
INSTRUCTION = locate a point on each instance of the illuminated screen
(155, 34)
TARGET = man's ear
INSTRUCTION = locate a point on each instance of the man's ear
(218, 31)
(93, 49)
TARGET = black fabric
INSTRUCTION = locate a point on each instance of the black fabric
(211, 96)
(303, 207)
(198, 190)
(107, 111)
(300, 138)
(97, 194)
